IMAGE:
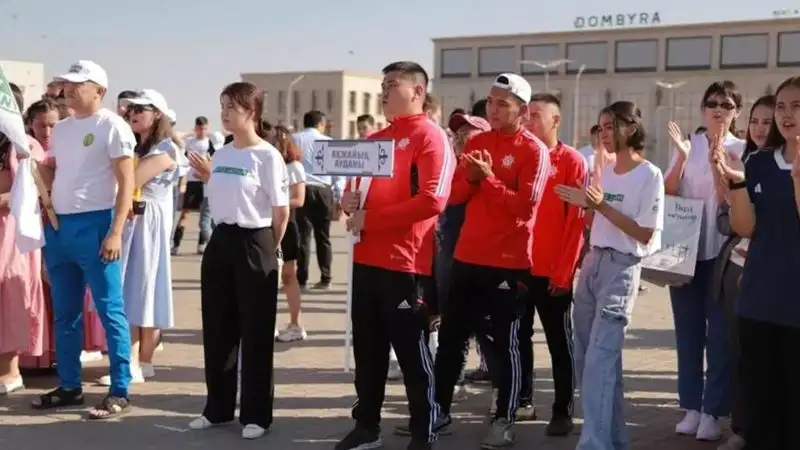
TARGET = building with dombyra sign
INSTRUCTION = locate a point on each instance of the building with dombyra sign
(626, 64)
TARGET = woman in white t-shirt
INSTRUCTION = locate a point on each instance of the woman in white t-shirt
(248, 193)
(700, 325)
(282, 139)
(627, 209)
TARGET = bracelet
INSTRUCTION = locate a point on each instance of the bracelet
(737, 185)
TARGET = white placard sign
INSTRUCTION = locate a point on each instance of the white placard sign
(674, 264)
(353, 158)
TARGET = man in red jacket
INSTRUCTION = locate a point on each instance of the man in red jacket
(557, 243)
(501, 179)
(393, 251)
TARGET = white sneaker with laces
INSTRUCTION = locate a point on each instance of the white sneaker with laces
(136, 377)
(292, 333)
(709, 429)
(252, 431)
(87, 356)
(200, 423)
(688, 426)
(7, 387)
(148, 371)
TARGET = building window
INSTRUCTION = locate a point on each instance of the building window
(789, 49)
(314, 105)
(636, 56)
(594, 55)
(281, 102)
(352, 129)
(367, 102)
(689, 53)
(295, 102)
(264, 103)
(329, 101)
(744, 51)
(542, 54)
(471, 99)
(352, 102)
(456, 62)
(496, 60)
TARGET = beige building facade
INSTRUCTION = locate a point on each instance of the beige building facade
(29, 76)
(341, 95)
(663, 69)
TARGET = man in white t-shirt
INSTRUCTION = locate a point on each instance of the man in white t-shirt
(194, 198)
(91, 169)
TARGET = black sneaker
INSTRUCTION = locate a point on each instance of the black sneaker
(477, 376)
(442, 427)
(360, 438)
(559, 426)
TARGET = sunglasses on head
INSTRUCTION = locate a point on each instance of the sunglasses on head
(713, 104)
(138, 109)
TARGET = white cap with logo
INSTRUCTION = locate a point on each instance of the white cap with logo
(514, 84)
(85, 70)
(150, 97)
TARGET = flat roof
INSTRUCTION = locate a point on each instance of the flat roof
(648, 29)
(346, 72)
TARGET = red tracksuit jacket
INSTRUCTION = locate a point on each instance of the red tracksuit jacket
(501, 209)
(558, 231)
(397, 221)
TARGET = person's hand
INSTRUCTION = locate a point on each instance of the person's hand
(355, 223)
(594, 196)
(351, 201)
(572, 195)
(336, 214)
(201, 165)
(479, 165)
(111, 249)
(729, 166)
(676, 137)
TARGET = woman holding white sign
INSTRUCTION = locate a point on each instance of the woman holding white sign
(699, 319)
(627, 206)
(765, 207)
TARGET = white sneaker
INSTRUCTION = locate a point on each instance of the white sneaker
(91, 356)
(7, 387)
(394, 371)
(200, 423)
(252, 431)
(709, 429)
(735, 442)
(148, 371)
(688, 426)
(292, 333)
(136, 377)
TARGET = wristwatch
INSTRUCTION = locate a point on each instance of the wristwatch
(737, 185)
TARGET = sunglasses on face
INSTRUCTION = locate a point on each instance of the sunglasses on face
(713, 104)
(138, 109)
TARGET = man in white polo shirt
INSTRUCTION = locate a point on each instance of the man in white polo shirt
(91, 168)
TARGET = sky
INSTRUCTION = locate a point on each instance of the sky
(190, 49)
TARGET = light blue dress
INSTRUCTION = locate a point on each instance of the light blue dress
(146, 243)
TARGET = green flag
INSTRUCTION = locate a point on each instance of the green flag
(11, 123)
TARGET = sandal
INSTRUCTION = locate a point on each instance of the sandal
(59, 398)
(110, 407)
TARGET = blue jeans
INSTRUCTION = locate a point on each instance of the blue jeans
(205, 223)
(607, 289)
(700, 329)
(72, 259)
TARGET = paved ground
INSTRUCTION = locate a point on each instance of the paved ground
(314, 394)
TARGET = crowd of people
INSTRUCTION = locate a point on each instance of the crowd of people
(485, 223)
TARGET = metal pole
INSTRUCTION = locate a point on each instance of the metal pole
(546, 66)
(289, 99)
(576, 105)
(547, 80)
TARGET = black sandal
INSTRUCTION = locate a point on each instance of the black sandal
(110, 407)
(59, 398)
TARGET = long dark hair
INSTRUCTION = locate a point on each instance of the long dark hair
(769, 102)
(774, 138)
(286, 145)
(160, 130)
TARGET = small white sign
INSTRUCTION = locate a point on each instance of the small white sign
(674, 264)
(353, 158)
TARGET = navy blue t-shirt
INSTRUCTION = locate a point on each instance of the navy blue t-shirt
(769, 282)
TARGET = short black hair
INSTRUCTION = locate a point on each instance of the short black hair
(313, 118)
(545, 97)
(124, 95)
(18, 97)
(408, 68)
(457, 111)
(595, 130)
(479, 108)
(366, 118)
(201, 121)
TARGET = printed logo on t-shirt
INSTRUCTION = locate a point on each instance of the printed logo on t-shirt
(403, 143)
(757, 189)
(285, 185)
(232, 171)
(88, 140)
(611, 197)
(508, 160)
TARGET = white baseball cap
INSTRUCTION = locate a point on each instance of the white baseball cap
(151, 97)
(85, 70)
(514, 84)
(171, 115)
